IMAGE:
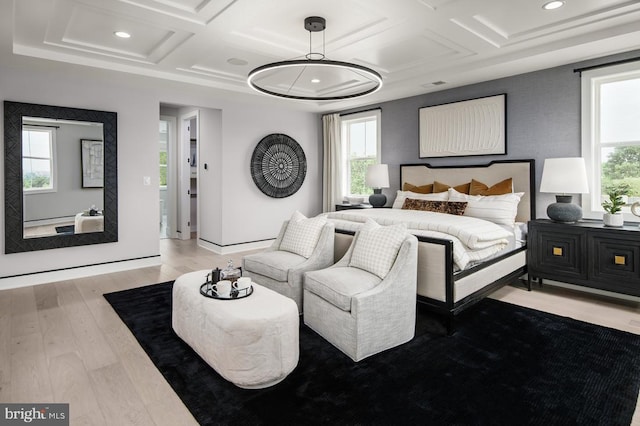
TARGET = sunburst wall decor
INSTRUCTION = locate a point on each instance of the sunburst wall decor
(278, 165)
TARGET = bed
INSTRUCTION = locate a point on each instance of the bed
(447, 284)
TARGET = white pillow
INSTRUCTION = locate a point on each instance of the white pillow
(302, 234)
(500, 209)
(401, 195)
(376, 247)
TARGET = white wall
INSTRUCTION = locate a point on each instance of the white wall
(233, 211)
(209, 180)
(37, 82)
(246, 214)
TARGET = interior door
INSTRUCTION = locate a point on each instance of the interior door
(188, 171)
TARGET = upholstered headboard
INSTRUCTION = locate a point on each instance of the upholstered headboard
(521, 171)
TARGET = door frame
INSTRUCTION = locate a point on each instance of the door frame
(184, 170)
(172, 176)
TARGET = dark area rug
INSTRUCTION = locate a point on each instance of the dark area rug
(505, 365)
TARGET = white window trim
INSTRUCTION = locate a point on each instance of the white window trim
(351, 118)
(590, 82)
(54, 162)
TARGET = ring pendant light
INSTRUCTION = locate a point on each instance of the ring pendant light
(314, 78)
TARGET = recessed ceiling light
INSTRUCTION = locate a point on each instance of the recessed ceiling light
(237, 61)
(552, 5)
(122, 34)
(315, 80)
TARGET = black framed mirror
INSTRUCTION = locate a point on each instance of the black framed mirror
(94, 155)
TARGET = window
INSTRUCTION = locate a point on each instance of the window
(38, 160)
(164, 137)
(611, 134)
(361, 147)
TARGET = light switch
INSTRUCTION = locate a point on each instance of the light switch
(146, 180)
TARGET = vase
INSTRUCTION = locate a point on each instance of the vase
(563, 210)
(613, 219)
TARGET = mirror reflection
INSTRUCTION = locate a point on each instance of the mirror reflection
(62, 177)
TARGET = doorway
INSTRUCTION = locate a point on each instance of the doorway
(168, 176)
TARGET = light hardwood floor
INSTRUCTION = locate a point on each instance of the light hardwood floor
(62, 342)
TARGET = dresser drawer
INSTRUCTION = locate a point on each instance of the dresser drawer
(558, 252)
(615, 262)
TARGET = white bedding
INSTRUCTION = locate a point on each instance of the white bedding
(473, 239)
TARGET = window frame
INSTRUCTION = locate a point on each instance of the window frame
(356, 118)
(53, 163)
(591, 80)
(166, 165)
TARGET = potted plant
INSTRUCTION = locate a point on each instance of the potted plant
(613, 206)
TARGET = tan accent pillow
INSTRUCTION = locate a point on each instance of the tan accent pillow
(441, 187)
(455, 207)
(500, 188)
(422, 189)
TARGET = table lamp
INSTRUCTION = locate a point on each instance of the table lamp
(564, 176)
(377, 177)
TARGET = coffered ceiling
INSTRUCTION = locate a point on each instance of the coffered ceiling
(418, 46)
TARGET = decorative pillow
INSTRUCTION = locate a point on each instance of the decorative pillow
(376, 247)
(302, 234)
(500, 188)
(441, 187)
(500, 209)
(402, 195)
(423, 189)
(449, 207)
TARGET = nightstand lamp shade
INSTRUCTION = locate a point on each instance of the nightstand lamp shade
(564, 176)
(377, 177)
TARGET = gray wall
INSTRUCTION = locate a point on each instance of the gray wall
(543, 121)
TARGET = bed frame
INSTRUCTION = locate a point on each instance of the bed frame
(440, 288)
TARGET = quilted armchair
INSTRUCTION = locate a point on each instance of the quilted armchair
(359, 308)
(281, 266)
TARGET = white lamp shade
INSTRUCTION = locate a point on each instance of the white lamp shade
(564, 176)
(377, 176)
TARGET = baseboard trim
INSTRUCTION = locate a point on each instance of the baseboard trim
(36, 278)
(591, 290)
(234, 248)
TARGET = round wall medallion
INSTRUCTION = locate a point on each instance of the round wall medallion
(278, 165)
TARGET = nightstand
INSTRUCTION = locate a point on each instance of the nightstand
(586, 253)
(352, 206)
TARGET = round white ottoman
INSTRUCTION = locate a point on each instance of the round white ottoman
(252, 342)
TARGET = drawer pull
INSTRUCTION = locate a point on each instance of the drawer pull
(557, 251)
(620, 260)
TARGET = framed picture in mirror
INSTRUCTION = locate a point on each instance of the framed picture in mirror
(92, 163)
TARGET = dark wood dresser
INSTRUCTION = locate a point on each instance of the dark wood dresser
(586, 253)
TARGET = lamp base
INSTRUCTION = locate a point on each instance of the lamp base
(377, 199)
(563, 210)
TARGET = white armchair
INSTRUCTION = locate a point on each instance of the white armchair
(359, 312)
(282, 270)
